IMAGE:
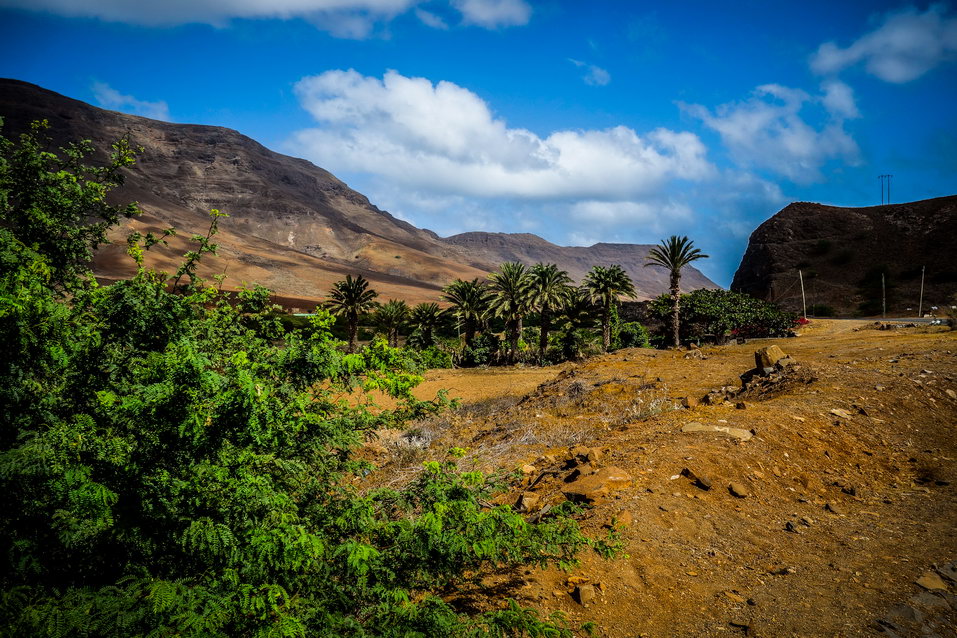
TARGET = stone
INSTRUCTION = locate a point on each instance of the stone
(528, 469)
(597, 485)
(736, 598)
(741, 405)
(527, 501)
(948, 571)
(931, 581)
(928, 600)
(834, 508)
(579, 452)
(767, 357)
(585, 594)
(951, 393)
(701, 481)
(843, 414)
(737, 433)
(739, 490)
(689, 402)
(906, 613)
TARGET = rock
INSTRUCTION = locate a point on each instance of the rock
(741, 405)
(739, 490)
(585, 594)
(838, 412)
(948, 571)
(598, 485)
(931, 581)
(834, 508)
(527, 501)
(701, 481)
(528, 469)
(736, 433)
(928, 600)
(906, 613)
(624, 519)
(735, 597)
(767, 357)
(689, 402)
(951, 393)
(879, 388)
(579, 453)
(783, 364)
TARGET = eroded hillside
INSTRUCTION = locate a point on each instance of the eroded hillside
(827, 499)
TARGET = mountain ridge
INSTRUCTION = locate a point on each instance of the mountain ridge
(293, 226)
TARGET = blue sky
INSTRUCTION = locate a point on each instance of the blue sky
(580, 122)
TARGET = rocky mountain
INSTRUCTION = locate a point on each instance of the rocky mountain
(577, 260)
(293, 226)
(843, 252)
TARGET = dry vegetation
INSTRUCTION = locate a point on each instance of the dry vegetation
(850, 483)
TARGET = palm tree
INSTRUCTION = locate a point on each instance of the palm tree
(391, 317)
(606, 285)
(424, 318)
(349, 299)
(469, 301)
(674, 254)
(549, 288)
(509, 287)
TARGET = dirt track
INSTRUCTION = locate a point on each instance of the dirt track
(844, 513)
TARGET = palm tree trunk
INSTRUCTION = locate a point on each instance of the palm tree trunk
(543, 335)
(675, 302)
(606, 325)
(469, 332)
(353, 333)
(514, 337)
(394, 337)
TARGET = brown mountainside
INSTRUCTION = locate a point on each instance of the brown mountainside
(842, 253)
(293, 226)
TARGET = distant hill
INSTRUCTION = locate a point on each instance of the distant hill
(293, 226)
(842, 253)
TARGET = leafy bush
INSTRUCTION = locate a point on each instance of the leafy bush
(722, 313)
(631, 334)
(431, 358)
(484, 351)
(169, 468)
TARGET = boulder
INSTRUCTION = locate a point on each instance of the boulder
(767, 357)
(594, 487)
(737, 433)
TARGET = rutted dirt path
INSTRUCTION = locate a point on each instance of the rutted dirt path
(844, 511)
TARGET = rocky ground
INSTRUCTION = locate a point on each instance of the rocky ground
(820, 501)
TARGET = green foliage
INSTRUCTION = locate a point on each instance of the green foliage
(172, 465)
(722, 313)
(349, 299)
(484, 350)
(604, 286)
(631, 334)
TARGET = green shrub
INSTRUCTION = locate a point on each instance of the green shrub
(167, 468)
(722, 314)
(631, 334)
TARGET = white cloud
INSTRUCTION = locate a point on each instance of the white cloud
(429, 19)
(493, 14)
(768, 130)
(445, 139)
(594, 75)
(341, 18)
(907, 45)
(108, 97)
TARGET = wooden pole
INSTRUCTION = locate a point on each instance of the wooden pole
(920, 305)
(883, 298)
(803, 300)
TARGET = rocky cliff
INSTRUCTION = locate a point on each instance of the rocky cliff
(842, 254)
(293, 226)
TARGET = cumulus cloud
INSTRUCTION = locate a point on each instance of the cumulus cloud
(444, 138)
(493, 14)
(342, 18)
(108, 97)
(769, 131)
(594, 75)
(904, 47)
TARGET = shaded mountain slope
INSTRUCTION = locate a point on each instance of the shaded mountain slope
(842, 253)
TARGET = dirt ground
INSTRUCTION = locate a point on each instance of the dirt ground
(842, 512)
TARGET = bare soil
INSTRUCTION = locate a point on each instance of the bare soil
(846, 509)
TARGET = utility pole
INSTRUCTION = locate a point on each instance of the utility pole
(920, 305)
(803, 301)
(883, 298)
(887, 177)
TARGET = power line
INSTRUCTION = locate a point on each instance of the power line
(885, 181)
